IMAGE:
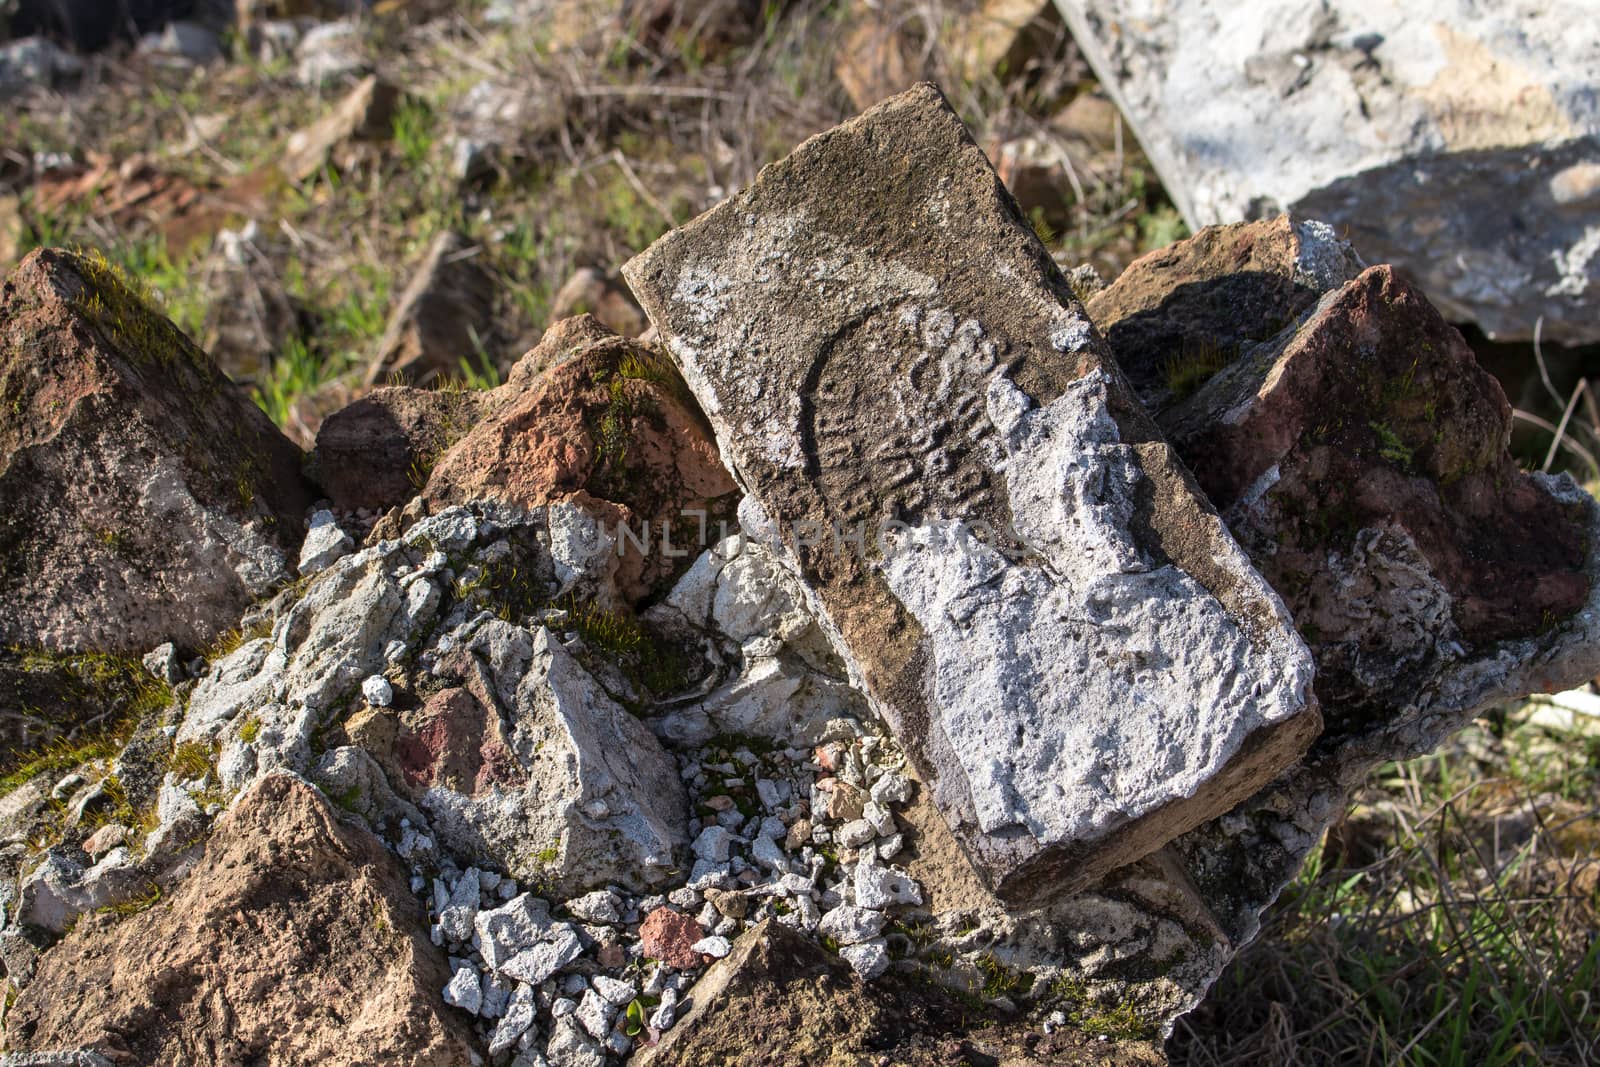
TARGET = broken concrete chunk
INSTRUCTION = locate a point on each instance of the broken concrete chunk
(1413, 127)
(1072, 649)
(587, 796)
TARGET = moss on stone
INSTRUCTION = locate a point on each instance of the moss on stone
(86, 705)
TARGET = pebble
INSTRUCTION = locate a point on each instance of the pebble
(670, 937)
(517, 1020)
(465, 990)
(667, 1012)
(892, 788)
(857, 833)
(713, 844)
(869, 959)
(733, 905)
(618, 993)
(766, 852)
(595, 1014)
(879, 887)
(714, 946)
(601, 906)
(377, 691)
(850, 925)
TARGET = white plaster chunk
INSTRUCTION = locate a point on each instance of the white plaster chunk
(1088, 695)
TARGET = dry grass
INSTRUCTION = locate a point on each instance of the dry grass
(1453, 918)
(626, 131)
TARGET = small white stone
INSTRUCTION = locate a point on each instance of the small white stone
(852, 925)
(618, 993)
(892, 788)
(879, 887)
(857, 833)
(667, 1013)
(714, 946)
(324, 544)
(869, 959)
(881, 818)
(769, 853)
(600, 906)
(377, 691)
(465, 990)
(595, 1014)
(516, 1022)
(713, 843)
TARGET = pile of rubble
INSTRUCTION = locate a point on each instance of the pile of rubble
(1046, 643)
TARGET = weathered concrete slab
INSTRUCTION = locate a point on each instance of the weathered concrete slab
(1461, 142)
(1060, 630)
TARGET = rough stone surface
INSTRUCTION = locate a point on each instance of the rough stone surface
(429, 332)
(670, 936)
(1416, 126)
(226, 969)
(1106, 671)
(599, 422)
(377, 452)
(1359, 455)
(776, 981)
(146, 498)
(595, 801)
(324, 543)
(1191, 308)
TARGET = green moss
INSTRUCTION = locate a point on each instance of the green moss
(1120, 1022)
(122, 812)
(1002, 981)
(149, 898)
(250, 730)
(115, 691)
(1196, 364)
(348, 799)
(57, 757)
(119, 306)
(1390, 447)
(191, 760)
